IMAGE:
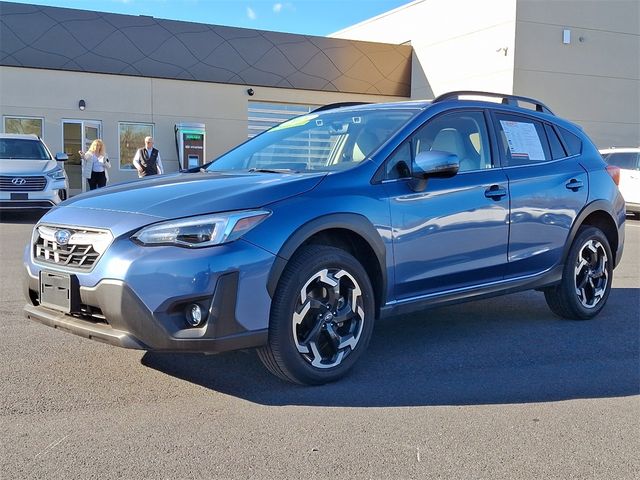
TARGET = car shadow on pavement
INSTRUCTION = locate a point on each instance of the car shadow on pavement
(509, 349)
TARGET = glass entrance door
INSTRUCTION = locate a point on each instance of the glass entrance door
(78, 135)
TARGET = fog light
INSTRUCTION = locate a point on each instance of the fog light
(194, 315)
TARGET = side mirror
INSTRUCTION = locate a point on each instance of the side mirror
(62, 157)
(433, 163)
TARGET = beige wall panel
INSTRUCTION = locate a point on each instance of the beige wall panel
(583, 98)
(606, 135)
(601, 53)
(312, 97)
(197, 99)
(62, 90)
(604, 104)
(612, 15)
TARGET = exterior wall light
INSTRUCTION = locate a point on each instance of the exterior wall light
(250, 92)
(82, 104)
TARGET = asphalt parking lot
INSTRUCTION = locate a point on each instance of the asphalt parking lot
(494, 389)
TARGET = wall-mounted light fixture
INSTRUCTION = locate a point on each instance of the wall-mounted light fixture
(82, 104)
(250, 92)
(566, 36)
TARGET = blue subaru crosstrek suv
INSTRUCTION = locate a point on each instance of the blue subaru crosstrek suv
(296, 241)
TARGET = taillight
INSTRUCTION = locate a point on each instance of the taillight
(614, 172)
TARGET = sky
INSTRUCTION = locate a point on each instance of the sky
(310, 17)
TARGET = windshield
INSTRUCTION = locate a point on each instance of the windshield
(324, 141)
(22, 149)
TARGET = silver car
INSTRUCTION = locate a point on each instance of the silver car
(30, 177)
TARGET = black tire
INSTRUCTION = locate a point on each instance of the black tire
(317, 340)
(586, 278)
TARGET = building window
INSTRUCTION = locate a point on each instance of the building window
(131, 138)
(25, 125)
(263, 115)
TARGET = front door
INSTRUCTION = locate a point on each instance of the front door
(454, 234)
(78, 135)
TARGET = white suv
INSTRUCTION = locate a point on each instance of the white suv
(628, 161)
(30, 177)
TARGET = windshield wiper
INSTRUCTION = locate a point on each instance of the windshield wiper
(273, 170)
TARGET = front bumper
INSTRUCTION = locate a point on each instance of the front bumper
(112, 313)
(137, 297)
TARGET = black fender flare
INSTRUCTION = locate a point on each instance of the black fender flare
(595, 206)
(355, 223)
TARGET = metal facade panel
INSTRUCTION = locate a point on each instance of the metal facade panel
(34, 36)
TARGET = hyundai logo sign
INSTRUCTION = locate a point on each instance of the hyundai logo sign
(18, 181)
(62, 236)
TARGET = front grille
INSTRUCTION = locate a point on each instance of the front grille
(22, 184)
(75, 248)
(26, 204)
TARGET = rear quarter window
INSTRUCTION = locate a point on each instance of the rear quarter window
(572, 141)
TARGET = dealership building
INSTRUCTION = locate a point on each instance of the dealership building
(75, 75)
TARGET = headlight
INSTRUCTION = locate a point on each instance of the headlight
(202, 231)
(56, 174)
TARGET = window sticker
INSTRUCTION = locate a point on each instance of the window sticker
(524, 142)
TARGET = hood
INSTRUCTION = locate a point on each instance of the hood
(187, 194)
(17, 167)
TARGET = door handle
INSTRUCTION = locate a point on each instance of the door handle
(574, 185)
(495, 191)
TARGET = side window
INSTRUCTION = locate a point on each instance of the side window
(557, 150)
(463, 133)
(573, 142)
(523, 140)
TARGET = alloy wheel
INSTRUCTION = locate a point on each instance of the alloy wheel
(591, 273)
(328, 318)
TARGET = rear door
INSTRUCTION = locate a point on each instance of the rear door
(548, 188)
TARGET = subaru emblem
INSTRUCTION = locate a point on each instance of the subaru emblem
(62, 236)
(18, 181)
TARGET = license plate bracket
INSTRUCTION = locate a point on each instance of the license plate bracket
(59, 291)
(19, 196)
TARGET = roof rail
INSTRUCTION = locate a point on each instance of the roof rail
(506, 99)
(338, 105)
